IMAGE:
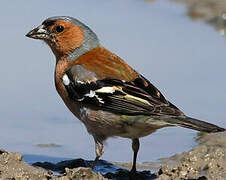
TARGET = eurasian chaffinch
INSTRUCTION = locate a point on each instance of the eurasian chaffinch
(104, 92)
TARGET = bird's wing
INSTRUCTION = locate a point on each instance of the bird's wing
(124, 97)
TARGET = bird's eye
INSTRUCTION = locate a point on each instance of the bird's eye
(59, 28)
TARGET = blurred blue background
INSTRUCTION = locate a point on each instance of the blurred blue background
(185, 59)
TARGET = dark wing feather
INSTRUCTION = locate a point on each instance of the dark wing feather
(138, 97)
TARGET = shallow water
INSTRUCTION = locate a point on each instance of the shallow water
(183, 58)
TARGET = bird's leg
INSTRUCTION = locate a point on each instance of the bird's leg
(99, 148)
(135, 146)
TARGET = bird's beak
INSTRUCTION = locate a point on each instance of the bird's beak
(39, 33)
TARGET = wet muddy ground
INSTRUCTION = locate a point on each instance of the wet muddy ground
(211, 11)
(205, 161)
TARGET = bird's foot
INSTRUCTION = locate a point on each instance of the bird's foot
(132, 174)
(95, 162)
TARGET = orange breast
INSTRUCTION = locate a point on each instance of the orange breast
(61, 67)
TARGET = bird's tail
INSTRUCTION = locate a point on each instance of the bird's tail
(195, 124)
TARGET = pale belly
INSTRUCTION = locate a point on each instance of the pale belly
(106, 124)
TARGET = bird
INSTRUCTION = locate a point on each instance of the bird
(105, 93)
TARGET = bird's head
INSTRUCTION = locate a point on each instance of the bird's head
(66, 36)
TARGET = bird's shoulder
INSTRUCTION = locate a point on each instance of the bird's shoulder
(106, 64)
